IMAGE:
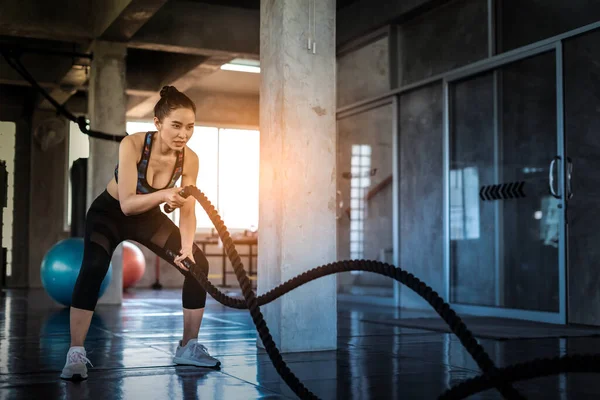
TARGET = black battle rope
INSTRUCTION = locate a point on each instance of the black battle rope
(527, 370)
(80, 121)
(252, 302)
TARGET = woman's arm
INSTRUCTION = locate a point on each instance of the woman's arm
(132, 203)
(187, 219)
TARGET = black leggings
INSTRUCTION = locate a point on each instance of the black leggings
(106, 226)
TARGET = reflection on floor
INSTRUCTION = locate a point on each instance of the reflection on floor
(131, 349)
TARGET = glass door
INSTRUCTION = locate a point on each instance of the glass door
(505, 239)
(582, 125)
(365, 183)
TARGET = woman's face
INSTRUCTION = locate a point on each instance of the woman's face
(177, 128)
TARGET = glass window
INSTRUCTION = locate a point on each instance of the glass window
(7, 154)
(79, 147)
(239, 152)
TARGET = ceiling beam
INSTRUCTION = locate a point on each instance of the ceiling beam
(149, 70)
(21, 82)
(226, 109)
(201, 29)
(118, 22)
(183, 83)
(212, 108)
(133, 17)
(71, 82)
(64, 20)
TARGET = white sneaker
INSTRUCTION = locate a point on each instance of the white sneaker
(194, 353)
(75, 368)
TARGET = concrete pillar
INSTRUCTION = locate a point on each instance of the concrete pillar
(107, 107)
(297, 170)
(46, 198)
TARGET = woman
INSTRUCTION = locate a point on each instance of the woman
(149, 166)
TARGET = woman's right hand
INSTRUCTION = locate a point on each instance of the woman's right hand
(173, 198)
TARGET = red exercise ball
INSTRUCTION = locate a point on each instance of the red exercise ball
(134, 264)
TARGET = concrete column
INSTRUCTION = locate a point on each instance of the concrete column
(297, 170)
(46, 197)
(107, 106)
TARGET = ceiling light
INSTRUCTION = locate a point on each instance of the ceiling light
(242, 65)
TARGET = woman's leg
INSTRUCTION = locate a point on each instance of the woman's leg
(193, 299)
(101, 238)
(96, 261)
(159, 235)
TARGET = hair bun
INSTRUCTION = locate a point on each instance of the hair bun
(167, 90)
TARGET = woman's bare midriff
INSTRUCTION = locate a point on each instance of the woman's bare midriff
(112, 188)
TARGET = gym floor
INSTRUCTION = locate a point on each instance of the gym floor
(131, 349)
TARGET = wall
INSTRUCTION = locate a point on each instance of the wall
(363, 72)
(446, 38)
(552, 17)
(421, 189)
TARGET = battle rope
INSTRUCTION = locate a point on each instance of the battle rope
(527, 370)
(252, 302)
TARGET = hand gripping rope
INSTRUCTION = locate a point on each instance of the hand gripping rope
(492, 376)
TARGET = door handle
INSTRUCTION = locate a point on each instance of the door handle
(551, 177)
(569, 176)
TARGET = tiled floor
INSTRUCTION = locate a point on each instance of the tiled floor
(131, 348)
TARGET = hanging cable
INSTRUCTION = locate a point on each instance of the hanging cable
(15, 63)
(309, 30)
(314, 28)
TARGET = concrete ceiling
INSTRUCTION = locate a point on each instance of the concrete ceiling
(231, 82)
(169, 41)
(182, 42)
(255, 4)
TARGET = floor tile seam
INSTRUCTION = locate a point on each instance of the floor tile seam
(256, 385)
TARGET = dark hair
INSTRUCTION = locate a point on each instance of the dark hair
(171, 99)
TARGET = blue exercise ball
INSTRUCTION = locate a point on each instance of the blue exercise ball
(60, 268)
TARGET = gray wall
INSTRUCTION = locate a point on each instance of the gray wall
(363, 72)
(421, 190)
(443, 39)
(521, 22)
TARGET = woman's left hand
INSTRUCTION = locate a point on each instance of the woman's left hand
(183, 254)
